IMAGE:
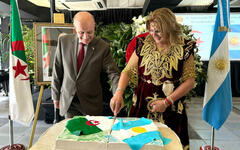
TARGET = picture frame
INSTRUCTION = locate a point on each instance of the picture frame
(45, 44)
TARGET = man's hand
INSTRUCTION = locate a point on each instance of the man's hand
(117, 103)
(56, 104)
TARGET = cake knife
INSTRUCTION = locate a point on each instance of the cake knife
(111, 128)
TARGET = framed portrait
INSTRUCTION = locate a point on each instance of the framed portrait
(45, 44)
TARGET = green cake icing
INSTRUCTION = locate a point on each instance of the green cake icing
(79, 126)
(100, 136)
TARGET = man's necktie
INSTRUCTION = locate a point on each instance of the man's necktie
(80, 56)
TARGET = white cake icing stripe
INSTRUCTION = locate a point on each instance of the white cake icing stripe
(105, 123)
(123, 134)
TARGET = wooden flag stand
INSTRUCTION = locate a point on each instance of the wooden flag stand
(210, 147)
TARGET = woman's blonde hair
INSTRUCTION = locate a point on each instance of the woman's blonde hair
(165, 20)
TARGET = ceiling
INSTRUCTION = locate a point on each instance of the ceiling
(42, 13)
(90, 5)
(41, 8)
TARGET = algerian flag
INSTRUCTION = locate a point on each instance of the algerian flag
(20, 104)
(45, 54)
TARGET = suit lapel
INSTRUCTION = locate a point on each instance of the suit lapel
(75, 54)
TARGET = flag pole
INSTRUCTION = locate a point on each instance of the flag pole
(210, 147)
(9, 116)
(212, 139)
(12, 146)
(10, 130)
(36, 116)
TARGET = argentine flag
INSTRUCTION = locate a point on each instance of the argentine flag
(218, 96)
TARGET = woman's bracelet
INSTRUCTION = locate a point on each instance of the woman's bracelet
(168, 101)
(170, 98)
(119, 89)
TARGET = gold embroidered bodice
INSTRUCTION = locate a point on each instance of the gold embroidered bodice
(160, 65)
(157, 64)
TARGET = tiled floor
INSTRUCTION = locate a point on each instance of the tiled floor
(227, 138)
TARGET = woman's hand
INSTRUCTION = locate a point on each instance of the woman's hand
(117, 102)
(158, 106)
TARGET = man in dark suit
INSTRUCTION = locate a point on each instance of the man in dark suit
(76, 87)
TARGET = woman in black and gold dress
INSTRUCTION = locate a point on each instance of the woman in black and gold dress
(163, 61)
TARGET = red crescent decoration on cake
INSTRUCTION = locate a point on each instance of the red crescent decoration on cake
(92, 123)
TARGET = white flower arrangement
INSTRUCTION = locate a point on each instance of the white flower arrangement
(139, 25)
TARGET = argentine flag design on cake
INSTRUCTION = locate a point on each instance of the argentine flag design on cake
(136, 133)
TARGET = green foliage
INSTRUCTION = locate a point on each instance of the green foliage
(5, 47)
(29, 48)
(118, 35)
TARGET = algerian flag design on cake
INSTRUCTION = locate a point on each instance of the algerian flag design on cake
(136, 133)
(87, 128)
(104, 123)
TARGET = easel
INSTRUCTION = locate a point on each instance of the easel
(58, 18)
(36, 116)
